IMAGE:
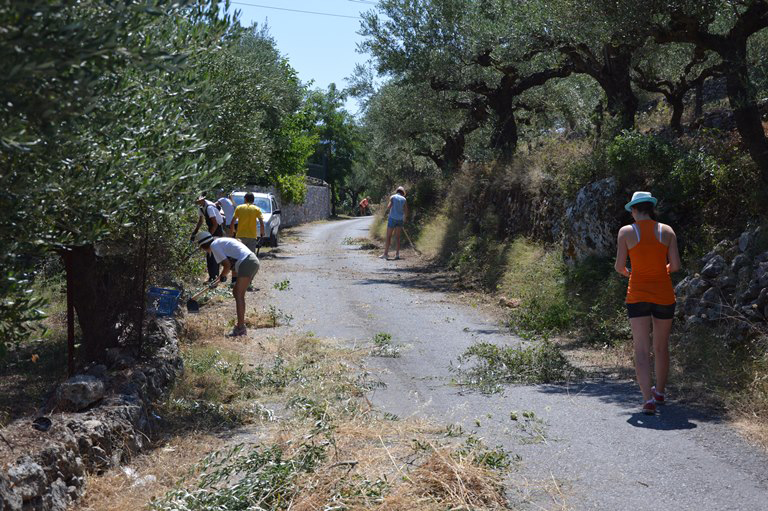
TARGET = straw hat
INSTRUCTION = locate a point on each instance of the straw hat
(203, 237)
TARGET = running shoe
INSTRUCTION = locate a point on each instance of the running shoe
(649, 408)
(238, 331)
(658, 397)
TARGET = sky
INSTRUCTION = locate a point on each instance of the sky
(320, 47)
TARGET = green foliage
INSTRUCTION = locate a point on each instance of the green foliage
(20, 309)
(490, 365)
(597, 302)
(292, 188)
(497, 458)
(266, 478)
(94, 127)
(383, 347)
(114, 115)
(283, 285)
(254, 113)
(337, 138)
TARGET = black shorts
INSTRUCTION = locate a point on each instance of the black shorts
(643, 309)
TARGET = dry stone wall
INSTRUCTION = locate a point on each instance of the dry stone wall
(98, 419)
(730, 288)
(316, 205)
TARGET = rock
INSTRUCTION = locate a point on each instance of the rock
(9, 499)
(714, 267)
(124, 361)
(752, 314)
(512, 303)
(745, 240)
(98, 370)
(726, 281)
(691, 287)
(711, 297)
(711, 303)
(52, 474)
(57, 497)
(589, 226)
(719, 250)
(28, 479)
(762, 257)
(739, 262)
(762, 298)
(694, 321)
(79, 392)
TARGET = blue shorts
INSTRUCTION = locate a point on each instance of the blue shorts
(391, 223)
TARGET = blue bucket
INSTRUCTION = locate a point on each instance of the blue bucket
(162, 302)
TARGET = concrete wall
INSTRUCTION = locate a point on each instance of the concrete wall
(316, 205)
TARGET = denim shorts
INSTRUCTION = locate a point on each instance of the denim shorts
(391, 223)
(643, 309)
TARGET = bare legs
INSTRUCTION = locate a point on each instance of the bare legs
(396, 231)
(241, 285)
(641, 334)
(661, 330)
(389, 240)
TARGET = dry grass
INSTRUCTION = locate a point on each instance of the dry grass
(371, 461)
(378, 229)
(432, 236)
(396, 465)
(117, 489)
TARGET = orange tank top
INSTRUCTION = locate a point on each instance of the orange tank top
(649, 280)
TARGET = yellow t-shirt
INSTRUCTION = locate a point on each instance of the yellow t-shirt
(247, 216)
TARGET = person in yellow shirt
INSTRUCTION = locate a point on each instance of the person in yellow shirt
(247, 216)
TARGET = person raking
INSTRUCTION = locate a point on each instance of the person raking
(234, 256)
(397, 208)
(213, 221)
(653, 254)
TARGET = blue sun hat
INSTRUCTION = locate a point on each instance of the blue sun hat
(639, 197)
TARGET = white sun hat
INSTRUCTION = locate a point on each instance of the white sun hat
(203, 237)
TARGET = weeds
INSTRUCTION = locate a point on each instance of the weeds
(383, 347)
(283, 285)
(495, 459)
(533, 428)
(277, 316)
(541, 362)
(241, 478)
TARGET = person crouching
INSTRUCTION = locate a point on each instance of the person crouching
(235, 256)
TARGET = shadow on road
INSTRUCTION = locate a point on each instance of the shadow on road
(425, 278)
(667, 420)
(671, 416)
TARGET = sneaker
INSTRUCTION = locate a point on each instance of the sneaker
(238, 331)
(384, 256)
(658, 397)
(649, 408)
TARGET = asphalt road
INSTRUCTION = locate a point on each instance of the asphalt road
(588, 441)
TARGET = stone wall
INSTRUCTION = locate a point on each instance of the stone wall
(730, 288)
(316, 206)
(98, 418)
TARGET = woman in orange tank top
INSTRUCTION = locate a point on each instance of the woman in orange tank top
(653, 254)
